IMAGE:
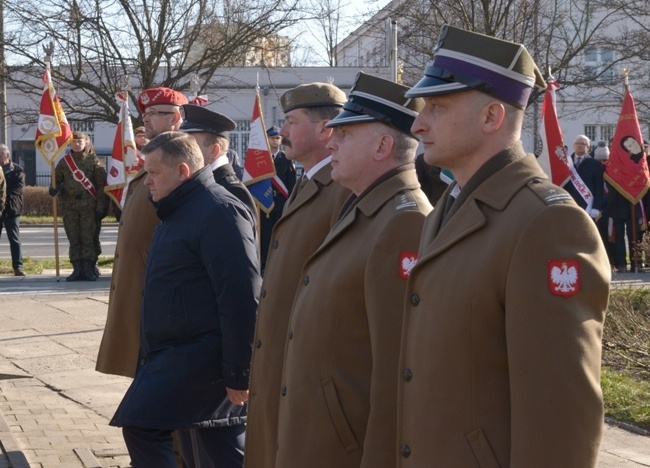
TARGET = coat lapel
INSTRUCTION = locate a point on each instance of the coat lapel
(496, 192)
(373, 202)
(310, 190)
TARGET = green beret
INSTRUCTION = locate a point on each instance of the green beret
(312, 95)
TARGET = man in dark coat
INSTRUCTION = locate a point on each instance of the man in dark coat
(211, 130)
(198, 316)
(591, 173)
(13, 207)
(286, 172)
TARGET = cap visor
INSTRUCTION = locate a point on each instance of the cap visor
(347, 118)
(430, 86)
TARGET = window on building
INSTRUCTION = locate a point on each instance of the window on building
(607, 132)
(239, 137)
(598, 63)
(86, 126)
(599, 132)
(591, 54)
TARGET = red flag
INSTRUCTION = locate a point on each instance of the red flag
(258, 166)
(53, 132)
(553, 157)
(125, 160)
(627, 170)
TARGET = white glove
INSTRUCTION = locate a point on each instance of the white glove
(594, 213)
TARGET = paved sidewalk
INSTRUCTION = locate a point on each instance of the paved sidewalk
(54, 407)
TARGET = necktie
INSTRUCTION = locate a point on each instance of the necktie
(578, 161)
(303, 181)
(296, 190)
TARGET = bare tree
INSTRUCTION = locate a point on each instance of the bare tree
(325, 23)
(557, 32)
(99, 43)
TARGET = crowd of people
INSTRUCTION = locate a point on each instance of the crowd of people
(621, 224)
(377, 316)
(357, 325)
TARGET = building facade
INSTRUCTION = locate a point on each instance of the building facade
(231, 92)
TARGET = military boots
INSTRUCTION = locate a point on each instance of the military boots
(89, 270)
(77, 272)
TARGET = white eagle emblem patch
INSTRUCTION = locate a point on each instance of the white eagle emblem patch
(564, 277)
(407, 261)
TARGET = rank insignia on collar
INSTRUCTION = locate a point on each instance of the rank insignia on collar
(564, 277)
(407, 261)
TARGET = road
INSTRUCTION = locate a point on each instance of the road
(38, 241)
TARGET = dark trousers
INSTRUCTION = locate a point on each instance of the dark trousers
(220, 447)
(12, 227)
(149, 447)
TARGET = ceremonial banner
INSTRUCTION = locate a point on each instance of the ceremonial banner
(259, 169)
(53, 132)
(553, 158)
(125, 160)
(627, 170)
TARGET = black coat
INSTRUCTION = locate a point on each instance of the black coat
(199, 304)
(15, 177)
(227, 177)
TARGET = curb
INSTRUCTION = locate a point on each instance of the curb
(10, 446)
(627, 426)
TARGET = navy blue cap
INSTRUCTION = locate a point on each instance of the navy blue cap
(273, 131)
(200, 119)
(374, 99)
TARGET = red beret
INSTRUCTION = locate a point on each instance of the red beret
(154, 96)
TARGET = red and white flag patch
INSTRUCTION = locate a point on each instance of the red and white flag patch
(564, 277)
(407, 261)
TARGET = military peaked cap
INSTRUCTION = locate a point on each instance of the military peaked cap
(374, 99)
(465, 60)
(200, 119)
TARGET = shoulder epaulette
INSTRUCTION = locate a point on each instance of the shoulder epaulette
(548, 192)
(405, 200)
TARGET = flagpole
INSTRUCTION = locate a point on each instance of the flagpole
(634, 255)
(48, 53)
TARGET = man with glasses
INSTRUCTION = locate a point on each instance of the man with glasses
(118, 352)
(591, 173)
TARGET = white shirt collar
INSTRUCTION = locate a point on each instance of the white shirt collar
(319, 166)
(220, 161)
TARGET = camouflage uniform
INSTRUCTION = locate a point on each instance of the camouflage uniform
(81, 212)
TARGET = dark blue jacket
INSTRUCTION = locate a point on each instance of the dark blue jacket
(591, 172)
(15, 177)
(198, 311)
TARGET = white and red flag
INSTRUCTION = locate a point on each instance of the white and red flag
(627, 170)
(259, 169)
(53, 132)
(125, 160)
(553, 158)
